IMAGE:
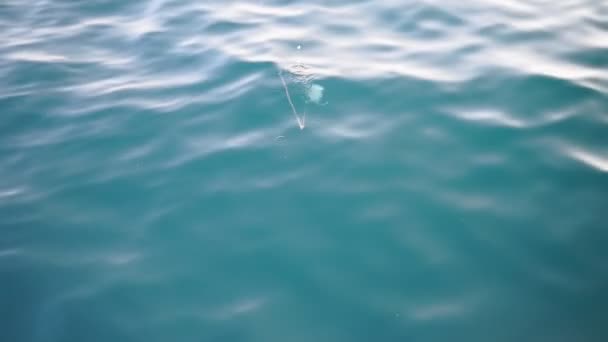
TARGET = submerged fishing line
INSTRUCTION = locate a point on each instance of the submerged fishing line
(301, 122)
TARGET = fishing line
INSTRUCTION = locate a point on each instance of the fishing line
(301, 121)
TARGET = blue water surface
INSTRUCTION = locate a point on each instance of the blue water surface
(450, 183)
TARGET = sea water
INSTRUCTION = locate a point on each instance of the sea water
(450, 182)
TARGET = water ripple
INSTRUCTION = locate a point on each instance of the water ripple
(453, 173)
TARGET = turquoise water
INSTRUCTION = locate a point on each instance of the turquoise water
(449, 182)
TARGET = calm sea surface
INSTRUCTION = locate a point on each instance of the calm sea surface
(286, 171)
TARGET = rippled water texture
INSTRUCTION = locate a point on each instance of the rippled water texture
(450, 182)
